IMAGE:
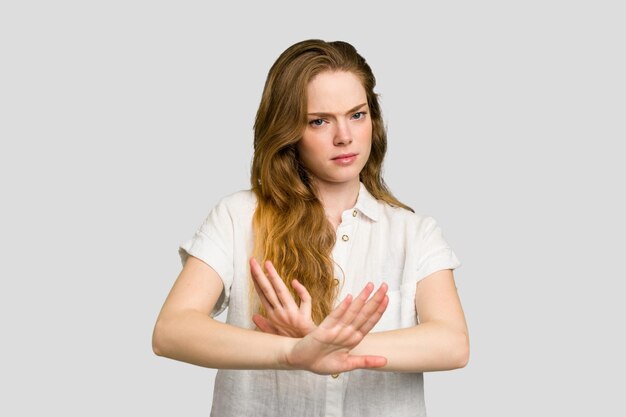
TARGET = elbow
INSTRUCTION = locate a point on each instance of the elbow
(158, 339)
(461, 351)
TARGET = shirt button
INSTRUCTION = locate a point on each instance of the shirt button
(353, 213)
(345, 238)
(335, 376)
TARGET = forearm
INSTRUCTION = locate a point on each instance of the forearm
(431, 346)
(193, 337)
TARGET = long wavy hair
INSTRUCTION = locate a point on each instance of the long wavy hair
(289, 223)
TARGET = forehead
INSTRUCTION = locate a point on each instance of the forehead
(334, 92)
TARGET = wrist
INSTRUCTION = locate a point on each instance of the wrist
(283, 358)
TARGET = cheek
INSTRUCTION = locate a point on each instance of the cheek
(369, 130)
(367, 138)
(364, 132)
(311, 145)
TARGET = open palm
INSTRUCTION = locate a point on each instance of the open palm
(326, 350)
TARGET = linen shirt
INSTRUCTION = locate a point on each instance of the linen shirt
(375, 242)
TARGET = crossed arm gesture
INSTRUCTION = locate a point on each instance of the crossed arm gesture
(290, 340)
(326, 348)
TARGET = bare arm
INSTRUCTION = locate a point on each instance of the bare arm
(184, 331)
(440, 342)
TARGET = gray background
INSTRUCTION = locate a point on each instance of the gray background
(123, 122)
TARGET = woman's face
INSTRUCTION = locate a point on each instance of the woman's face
(337, 140)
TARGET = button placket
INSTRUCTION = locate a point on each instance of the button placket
(347, 225)
(341, 251)
(334, 396)
(343, 246)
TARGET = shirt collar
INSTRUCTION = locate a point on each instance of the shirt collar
(367, 204)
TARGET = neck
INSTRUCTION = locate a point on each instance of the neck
(338, 197)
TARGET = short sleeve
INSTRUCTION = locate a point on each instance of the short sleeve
(213, 244)
(433, 252)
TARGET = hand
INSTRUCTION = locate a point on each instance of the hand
(284, 317)
(326, 350)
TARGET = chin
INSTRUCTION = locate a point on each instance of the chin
(345, 174)
(340, 180)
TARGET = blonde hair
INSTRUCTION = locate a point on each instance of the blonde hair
(290, 225)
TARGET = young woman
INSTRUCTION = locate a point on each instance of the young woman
(321, 221)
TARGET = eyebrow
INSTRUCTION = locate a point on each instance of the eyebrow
(353, 109)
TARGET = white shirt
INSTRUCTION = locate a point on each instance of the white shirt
(375, 242)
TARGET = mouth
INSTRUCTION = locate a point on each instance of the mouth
(344, 156)
(345, 159)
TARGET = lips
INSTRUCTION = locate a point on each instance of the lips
(345, 159)
(345, 155)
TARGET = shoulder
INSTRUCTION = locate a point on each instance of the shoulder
(239, 198)
(401, 218)
(235, 205)
(420, 238)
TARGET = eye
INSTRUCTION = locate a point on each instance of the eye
(359, 115)
(316, 122)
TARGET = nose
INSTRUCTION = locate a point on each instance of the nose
(343, 136)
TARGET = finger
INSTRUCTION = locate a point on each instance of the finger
(305, 297)
(264, 284)
(285, 297)
(374, 318)
(338, 312)
(371, 307)
(264, 325)
(365, 362)
(358, 303)
(266, 304)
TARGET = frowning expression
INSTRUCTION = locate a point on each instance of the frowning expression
(337, 140)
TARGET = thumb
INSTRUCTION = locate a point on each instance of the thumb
(263, 325)
(305, 297)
